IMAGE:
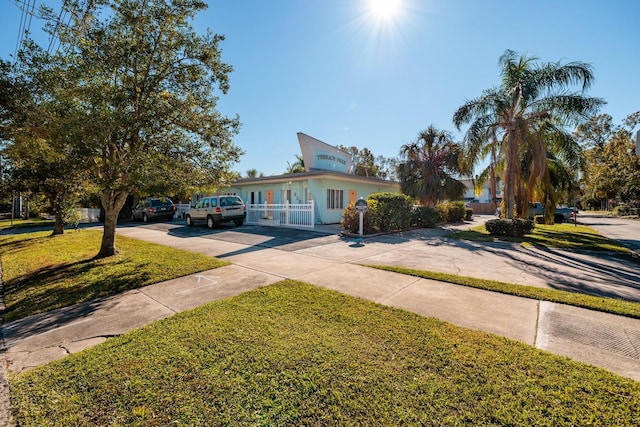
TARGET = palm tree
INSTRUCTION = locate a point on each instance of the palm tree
(531, 103)
(296, 167)
(430, 163)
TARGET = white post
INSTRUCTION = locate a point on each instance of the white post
(286, 212)
(361, 223)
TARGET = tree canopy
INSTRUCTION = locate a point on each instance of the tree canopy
(524, 118)
(430, 166)
(612, 170)
(143, 88)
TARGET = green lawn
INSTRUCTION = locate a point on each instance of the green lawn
(295, 354)
(43, 272)
(25, 223)
(565, 236)
(607, 305)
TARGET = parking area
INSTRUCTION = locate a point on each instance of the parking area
(287, 239)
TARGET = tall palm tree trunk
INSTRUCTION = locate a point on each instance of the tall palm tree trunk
(510, 181)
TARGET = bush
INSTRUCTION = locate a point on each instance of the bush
(539, 219)
(468, 214)
(426, 216)
(370, 220)
(395, 210)
(452, 211)
(509, 227)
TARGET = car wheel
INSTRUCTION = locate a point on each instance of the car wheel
(210, 222)
(145, 218)
(239, 222)
(189, 221)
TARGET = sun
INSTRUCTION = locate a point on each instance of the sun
(384, 9)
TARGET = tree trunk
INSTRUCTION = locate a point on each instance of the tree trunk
(112, 202)
(509, 187)
(58, 224)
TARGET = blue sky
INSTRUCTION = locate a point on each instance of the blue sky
(336, 70)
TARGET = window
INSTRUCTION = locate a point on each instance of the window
(335, 199)
(256, 197)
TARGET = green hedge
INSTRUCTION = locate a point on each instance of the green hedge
(395, 209)
(468, 214)
(509, 227)
(370, 221)
(452, 211)
(426, 216)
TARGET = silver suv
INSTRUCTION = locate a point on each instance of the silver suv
(216, 209)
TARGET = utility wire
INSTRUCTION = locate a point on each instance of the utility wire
(61, 17)
(27, 9)
(20, 28)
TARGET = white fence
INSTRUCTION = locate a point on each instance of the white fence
(283, 215)
(88, 215)
(181, 208)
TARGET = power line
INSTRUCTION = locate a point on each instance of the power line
(27, 9)
(55, 29)
(20, 27)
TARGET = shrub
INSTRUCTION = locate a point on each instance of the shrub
(452, 211)
(370, 220)
(468, 214)
(539, 219)
(395, 210)
(426, 216)
(509, 227)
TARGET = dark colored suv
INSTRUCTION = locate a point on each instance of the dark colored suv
(153, 208)
(216, 209)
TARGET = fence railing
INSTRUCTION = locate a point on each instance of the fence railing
(181, 208)
(88, 215)
(283, 214)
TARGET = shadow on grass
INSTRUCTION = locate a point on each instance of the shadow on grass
(11, 245)
(575, 240)
(66, 284)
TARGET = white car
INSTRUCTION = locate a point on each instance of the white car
(214, 210)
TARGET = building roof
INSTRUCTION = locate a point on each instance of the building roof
(312, 174)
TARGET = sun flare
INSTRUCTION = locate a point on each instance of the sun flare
(384, 9)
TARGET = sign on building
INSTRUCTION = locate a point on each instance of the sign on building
(320, 155)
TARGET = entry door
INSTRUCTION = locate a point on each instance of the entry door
(269, 196)
(353, 195)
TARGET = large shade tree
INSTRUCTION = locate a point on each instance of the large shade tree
(612, 169)
(429, 167)
(38, 127)
(147, 84)
(531, 107)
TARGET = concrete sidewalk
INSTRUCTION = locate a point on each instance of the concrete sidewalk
(604, 340)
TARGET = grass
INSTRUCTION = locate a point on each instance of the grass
(607, 305)
(295, 354)
(43, 272)
(24, 223)
(564, 236)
